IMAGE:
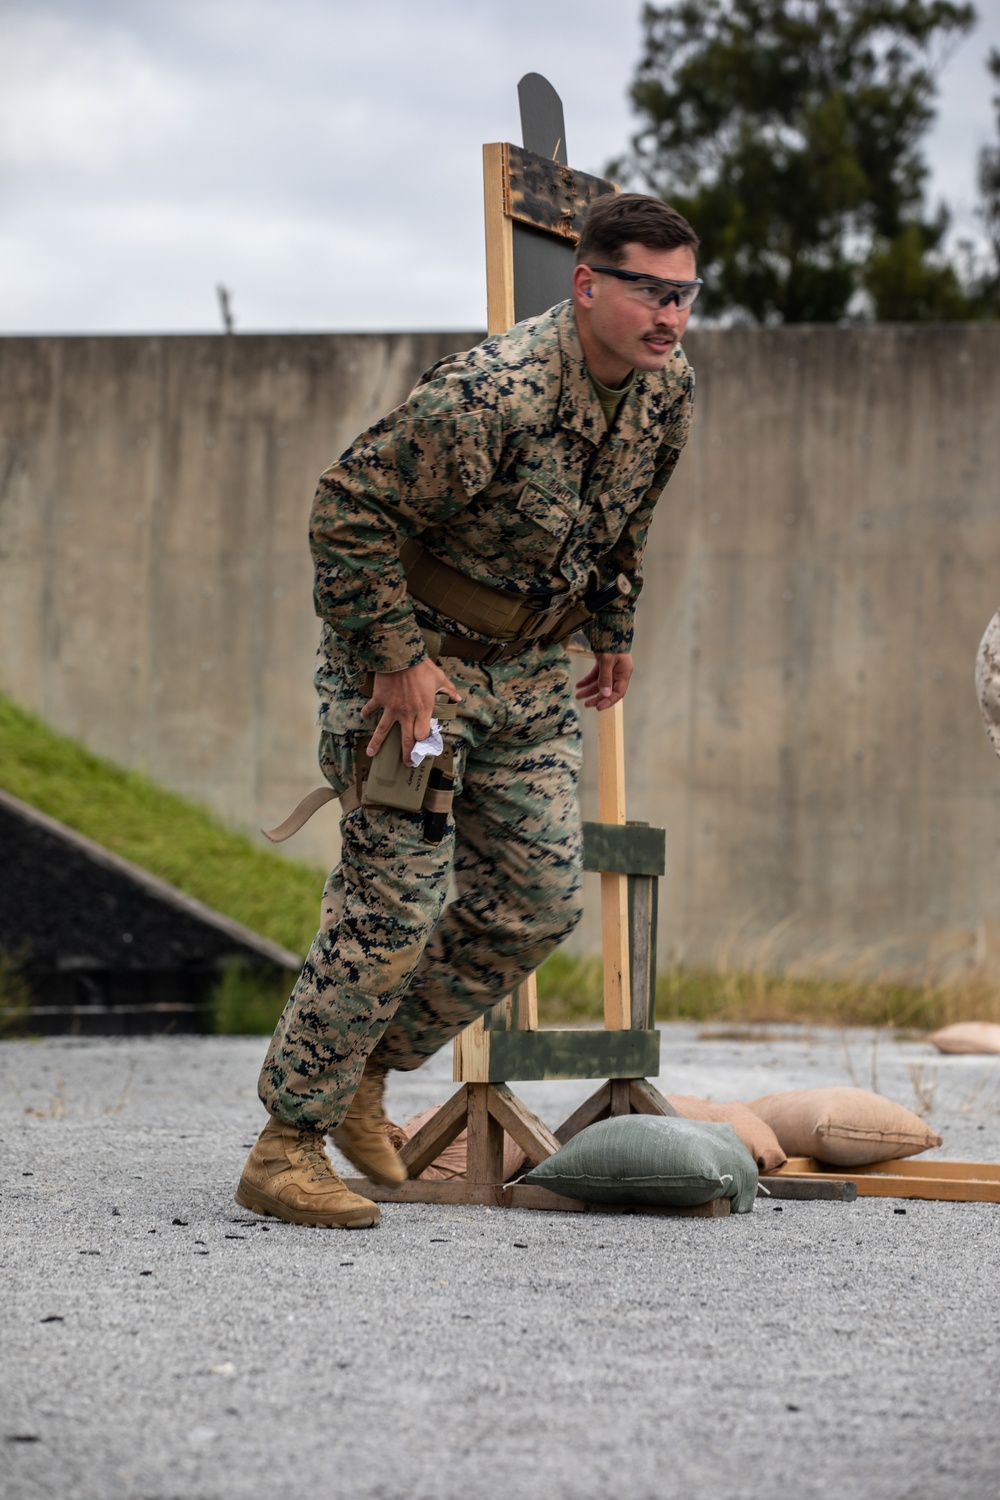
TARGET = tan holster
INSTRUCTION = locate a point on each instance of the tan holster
(383, 780)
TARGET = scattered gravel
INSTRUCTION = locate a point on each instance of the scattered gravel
(160, 1342)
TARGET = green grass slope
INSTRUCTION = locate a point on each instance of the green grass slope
(165, 834)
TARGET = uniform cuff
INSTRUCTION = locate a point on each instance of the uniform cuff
(610, 632)
(382, 649)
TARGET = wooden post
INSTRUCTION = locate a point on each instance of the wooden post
(621, 1103)
(642, 914)
(614, 888)
(484, 1162)
(524, 1006)
(499, 244)
(471, 1055)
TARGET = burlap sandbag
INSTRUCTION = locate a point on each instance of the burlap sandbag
(843, 1126)
(968, 1036)
(759, 1139)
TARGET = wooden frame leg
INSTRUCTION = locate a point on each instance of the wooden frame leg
(533, 1136)
(646, 1099)
(439, 1132)
(597, 1107)
(484, 1163)
(620, 1102)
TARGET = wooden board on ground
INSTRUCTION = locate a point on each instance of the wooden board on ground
(941, 1181)
(520, 1195)
(807, 1189)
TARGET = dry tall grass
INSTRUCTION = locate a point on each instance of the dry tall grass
(825, 989)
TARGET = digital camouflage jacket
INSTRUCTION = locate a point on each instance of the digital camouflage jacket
(501, 462)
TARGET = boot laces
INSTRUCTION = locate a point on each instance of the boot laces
(311, 1146)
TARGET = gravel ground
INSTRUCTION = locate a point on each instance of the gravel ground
(160, 1342)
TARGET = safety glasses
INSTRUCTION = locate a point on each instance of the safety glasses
(654, 291)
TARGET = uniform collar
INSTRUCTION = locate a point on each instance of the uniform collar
(579, 407)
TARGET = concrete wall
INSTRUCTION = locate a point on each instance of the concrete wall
(155, 580)
(819, 573)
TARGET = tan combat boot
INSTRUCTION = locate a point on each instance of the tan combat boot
(361, 1134)
(289, 1176)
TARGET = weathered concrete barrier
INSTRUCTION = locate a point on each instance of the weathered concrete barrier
(819, 574)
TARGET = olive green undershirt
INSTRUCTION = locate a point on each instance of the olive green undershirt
(610, 399)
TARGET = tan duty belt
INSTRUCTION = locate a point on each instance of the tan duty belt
(511, 622)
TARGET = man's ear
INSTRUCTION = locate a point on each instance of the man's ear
(583, 285)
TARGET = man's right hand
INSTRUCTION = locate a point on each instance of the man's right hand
(406, 698)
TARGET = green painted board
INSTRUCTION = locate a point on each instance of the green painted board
(632, 849)
(580, 1053)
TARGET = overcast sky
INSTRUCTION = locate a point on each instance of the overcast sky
(319, 157)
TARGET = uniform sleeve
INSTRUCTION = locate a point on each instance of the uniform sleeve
(612, 630)
(416, 468)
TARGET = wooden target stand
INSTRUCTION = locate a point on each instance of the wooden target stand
(534, 207)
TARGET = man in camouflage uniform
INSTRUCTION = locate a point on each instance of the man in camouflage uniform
(529, 465)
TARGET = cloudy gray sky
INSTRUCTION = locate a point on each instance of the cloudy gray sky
(319, 157)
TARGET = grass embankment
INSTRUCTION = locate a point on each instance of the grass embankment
(182, 843)
(175, 839)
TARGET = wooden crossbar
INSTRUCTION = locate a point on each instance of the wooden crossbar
(496, 1056)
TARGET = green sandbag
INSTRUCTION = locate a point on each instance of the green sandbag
(652, 1159)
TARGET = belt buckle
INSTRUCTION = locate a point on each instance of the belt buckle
(542, 620)
(551, 618)
(494, 654)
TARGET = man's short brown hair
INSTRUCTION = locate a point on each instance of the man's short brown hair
(620, 219)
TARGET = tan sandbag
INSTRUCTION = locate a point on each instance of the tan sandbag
(453, 1159)
(843, 1126)
(757, 1136)
(968, 1036)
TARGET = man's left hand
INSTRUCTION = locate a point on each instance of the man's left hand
(607, 681)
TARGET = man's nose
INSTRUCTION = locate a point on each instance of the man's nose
(668, 316)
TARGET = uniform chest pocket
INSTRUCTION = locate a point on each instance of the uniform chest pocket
(619, 501)
(551, 505)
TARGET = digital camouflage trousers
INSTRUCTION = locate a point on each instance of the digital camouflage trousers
(394, 971)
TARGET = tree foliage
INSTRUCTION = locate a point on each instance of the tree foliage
(788, 131)
(989, 211)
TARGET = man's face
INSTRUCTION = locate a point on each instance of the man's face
(620, 334)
